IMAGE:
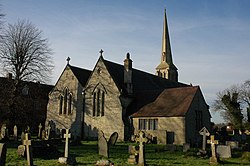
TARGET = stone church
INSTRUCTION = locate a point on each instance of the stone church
(119, 98)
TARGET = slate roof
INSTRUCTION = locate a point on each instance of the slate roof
(81, 74)
(173, 102)
(142, 81)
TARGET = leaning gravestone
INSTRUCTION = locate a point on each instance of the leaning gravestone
(113, 139)
(3, 151)
(102, 145)
(21, 150)
(224, 151)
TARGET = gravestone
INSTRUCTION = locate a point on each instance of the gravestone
(21, 150)
(44, 135)
(213, 142)
(22, 136)
(186, 147)
(102, 145)
(233, 144)
(3, 131)
(141, 139)
(48, 133)
(65, 159)
(39, 131)
(15, 133)
(113, 139)
(3, 151)
(28, 149)
(204, 132)
(133, 155)
(223, 151)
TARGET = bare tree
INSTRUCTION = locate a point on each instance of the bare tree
(24, 53)
(245, 97)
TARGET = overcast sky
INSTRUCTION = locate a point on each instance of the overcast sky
(210, 39)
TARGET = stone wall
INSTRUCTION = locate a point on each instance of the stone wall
(111, 121)
(165, 124)
(72, 121)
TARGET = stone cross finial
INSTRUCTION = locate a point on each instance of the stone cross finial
(204, 132)
(67, 135)
(101, 51)
(39, 131)
(213, 142)
(27, 144)
(68, 59)
(141, 139)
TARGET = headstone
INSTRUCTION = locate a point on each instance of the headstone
(3, 151)
(65, 159)
(39, 131)
(15, 133)
(21, 150)
(113, 139)
(27, 144)
(186, 147)
(223, 151)
(3, 131)
(204, 132)
(44, 135)
(102, 145)
(22, 136)
(141, 139)
(213, 142)
(133, 155)
(48, 133)
(233, 144)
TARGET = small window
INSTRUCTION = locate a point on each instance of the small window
(142, 124)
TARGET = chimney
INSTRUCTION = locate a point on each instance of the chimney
(9, 75)
(128, 74)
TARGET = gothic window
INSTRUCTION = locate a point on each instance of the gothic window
(99, 101)
(60, 104)
(65, 102)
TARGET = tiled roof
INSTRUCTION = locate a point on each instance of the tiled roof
(81, 74)
(170, 103)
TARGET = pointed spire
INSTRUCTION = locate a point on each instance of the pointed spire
(166, 49)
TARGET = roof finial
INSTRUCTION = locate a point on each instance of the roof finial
(101, 51)
(68, 59)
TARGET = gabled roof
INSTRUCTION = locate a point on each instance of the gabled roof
(172, 102)
(82, 75)
(142, 81)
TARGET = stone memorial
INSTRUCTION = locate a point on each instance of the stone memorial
(233, 144)
(102, 145)
(39, 131)
(141, 139)
(15, 133)
(3, 151)
(21, 150)
(223, 151)
(186, 147)
(133, 155)
(22, 136)
(27, 144)
(65, 159)
(3, 131)
(213, 142)
(113, 139)
(48, 133)
(204, 132)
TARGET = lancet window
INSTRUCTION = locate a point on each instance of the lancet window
(65, 102)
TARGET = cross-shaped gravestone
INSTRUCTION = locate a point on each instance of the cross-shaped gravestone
(213, 142)
(67, 135)
(27, 144)
(15, 133)
(141, 139)
(204, 132)
(39, 131)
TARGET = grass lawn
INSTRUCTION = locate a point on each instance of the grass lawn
(87, 154)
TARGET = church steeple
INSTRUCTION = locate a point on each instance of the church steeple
(166, 68)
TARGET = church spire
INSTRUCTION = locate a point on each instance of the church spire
(166, 68)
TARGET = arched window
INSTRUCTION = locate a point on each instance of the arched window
(65, 103)
(99, 100)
